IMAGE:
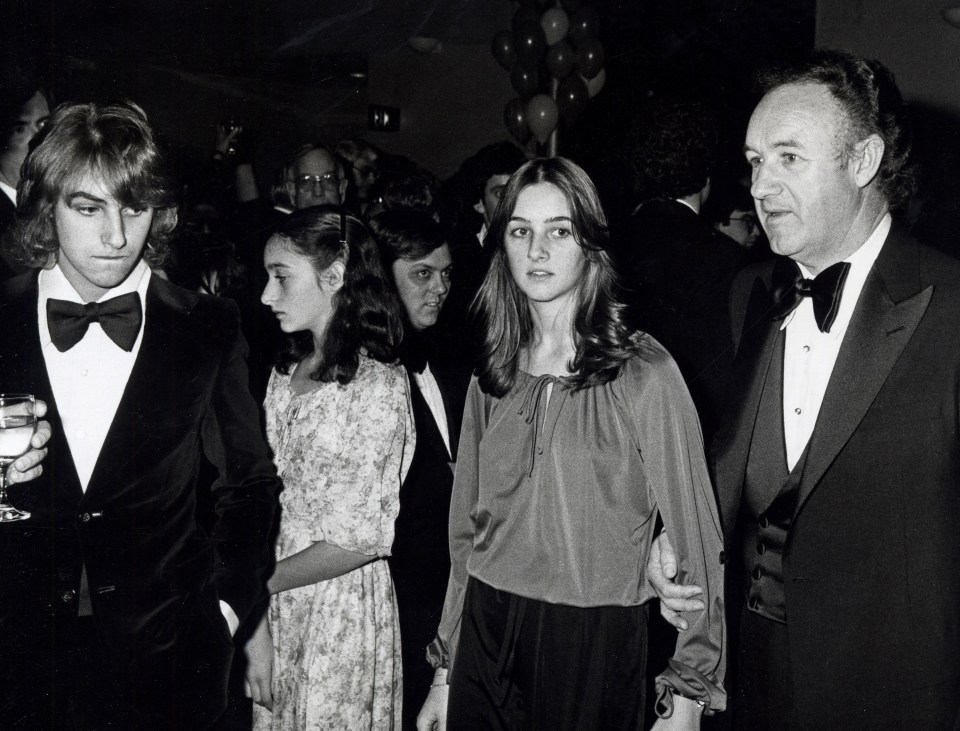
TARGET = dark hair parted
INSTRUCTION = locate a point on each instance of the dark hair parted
(18, 84)
(868, 94)
(498, 158)
(673, 148)
(366, 316)
(406, 234)
(601, 335)
(112, 142)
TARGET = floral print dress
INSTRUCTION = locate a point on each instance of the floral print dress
(342, 452)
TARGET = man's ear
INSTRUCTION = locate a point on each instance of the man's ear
(333, 275)
(867, 156)
(343, 189)
(291, 188)
(478, 207)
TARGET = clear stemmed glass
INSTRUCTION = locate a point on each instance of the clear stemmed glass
(18, 422)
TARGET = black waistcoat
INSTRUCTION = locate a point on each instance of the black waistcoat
(770, 497)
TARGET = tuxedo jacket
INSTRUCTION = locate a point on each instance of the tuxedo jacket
(420, 557)
(9, 267)
(872, 559)
(680, 271)
(154, 576)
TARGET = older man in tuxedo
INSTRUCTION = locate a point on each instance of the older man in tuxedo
(837, 463)
(116, 608)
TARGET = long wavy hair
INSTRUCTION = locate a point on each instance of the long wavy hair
(366, 318)
(601, 335)
(111, 141)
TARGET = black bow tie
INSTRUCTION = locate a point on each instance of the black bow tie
(119, 317)
(789, 289)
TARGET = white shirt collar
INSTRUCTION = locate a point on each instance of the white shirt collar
(9, 191)
(52, 283)
(861, 262)
(687, 204)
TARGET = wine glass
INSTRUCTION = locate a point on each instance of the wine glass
(18, 422)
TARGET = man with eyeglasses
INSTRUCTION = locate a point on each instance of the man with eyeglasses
(315, 177)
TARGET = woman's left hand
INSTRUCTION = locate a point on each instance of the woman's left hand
(686, 716)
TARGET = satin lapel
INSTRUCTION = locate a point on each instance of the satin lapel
(747, 377)
(24, 370)
(878, 332)
(428, 433)
(150, 388)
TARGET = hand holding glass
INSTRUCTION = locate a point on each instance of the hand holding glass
(18, 422)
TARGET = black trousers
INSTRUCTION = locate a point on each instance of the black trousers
(764, 698)
(527, 664)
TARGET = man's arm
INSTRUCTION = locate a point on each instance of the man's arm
(245, 490)
(27, 466)
(661, 572)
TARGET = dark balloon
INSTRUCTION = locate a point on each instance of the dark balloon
(572, 98)
(525, 80)
(542, 116)
(524, 16)
(560, 60)
(555, 24)
(530, 43)
(515, 119)
(504, 49)
(590, 57)
(595, 84)
(584, 23)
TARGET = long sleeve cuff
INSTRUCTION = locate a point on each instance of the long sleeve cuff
(686, 681)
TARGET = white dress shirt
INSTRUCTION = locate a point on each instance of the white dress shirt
(88, 380)
(431, 394)
(809, 355)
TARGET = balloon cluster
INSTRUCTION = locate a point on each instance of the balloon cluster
(558, 44)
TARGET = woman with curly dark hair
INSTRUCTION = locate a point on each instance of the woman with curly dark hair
(576, 434)
(339, 421)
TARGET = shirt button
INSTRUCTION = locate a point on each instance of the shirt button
(67, 596)
(85, 518)
(797, 410)
(806, 348)
(754, 602)
(83, 371)
(539, 450)
(757, 573)
(761, 547)
(764, 522)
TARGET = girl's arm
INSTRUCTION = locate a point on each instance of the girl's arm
(318, 562)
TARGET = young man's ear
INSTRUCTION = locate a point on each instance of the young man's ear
(478, 207)
(333, 275)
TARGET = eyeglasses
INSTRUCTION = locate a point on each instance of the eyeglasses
(327, 181)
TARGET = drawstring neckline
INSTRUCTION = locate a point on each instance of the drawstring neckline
(529, 409)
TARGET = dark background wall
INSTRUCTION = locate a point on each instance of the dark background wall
(299, 70)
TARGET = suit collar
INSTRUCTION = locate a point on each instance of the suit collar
(748, 374)
(888, 312)
(152, 381)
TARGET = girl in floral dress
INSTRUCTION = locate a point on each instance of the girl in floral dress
(338, 418)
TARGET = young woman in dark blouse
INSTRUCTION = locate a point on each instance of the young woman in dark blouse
(576, 434)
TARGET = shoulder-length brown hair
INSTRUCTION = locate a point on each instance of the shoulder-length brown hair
(111, 141)
(366, 316)
(601, 335)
